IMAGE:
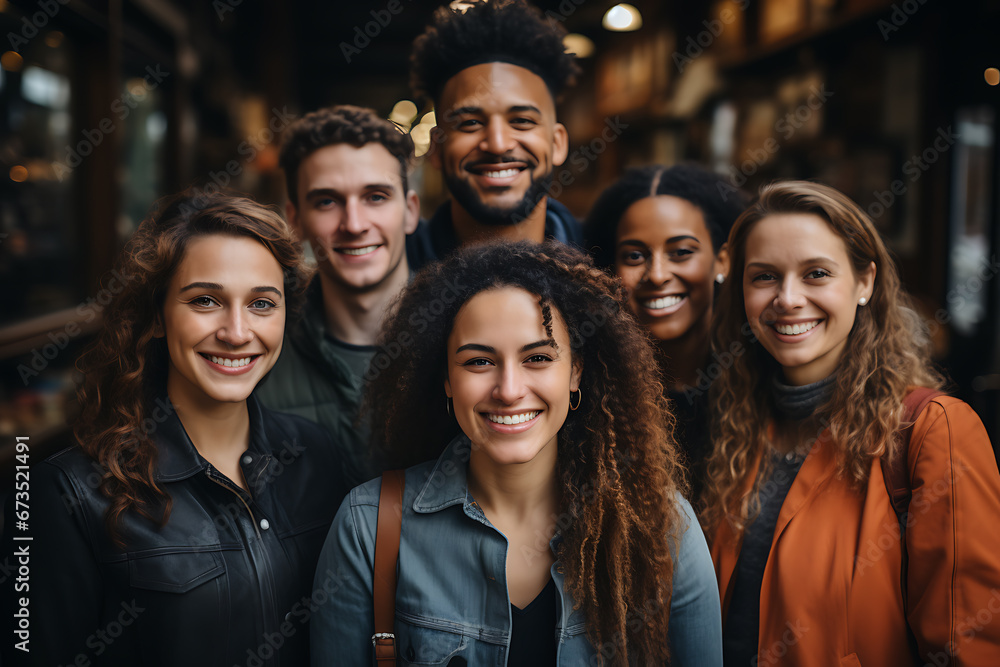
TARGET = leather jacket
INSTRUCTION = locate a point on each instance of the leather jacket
(227, 579)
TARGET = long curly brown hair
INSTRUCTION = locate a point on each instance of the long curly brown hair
(125, 369)
(617, 465)
(887, 353)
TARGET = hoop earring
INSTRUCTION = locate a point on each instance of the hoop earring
(579, 399)
(447, 404)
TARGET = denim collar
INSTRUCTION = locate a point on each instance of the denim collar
(446, 483)
(176, 456)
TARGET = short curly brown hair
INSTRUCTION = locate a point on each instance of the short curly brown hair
(342, 124)
(509, 31)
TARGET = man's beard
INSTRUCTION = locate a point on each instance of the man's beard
(496, 216)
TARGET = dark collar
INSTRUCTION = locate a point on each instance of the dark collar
(559, 225)
(177, 458)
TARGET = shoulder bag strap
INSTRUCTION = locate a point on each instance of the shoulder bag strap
(895, 472)
(390, 523)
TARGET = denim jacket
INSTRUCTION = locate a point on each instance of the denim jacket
(452, 605)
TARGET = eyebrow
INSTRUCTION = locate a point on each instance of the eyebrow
(546, 342)
(331, 192)
(518, 108)
(216, 286)
(672, 239)
(521, 108)
(808, 262)
(462, 111)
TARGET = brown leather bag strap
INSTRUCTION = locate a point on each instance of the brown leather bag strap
(895, 472)
(390, 524)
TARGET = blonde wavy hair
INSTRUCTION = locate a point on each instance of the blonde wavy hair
(887, 353)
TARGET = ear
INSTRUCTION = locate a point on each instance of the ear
(434, 151)
(560, 144)
(575, 375)
(158, 331)
(866, 282)
(412, 216)
(722, 261)
(447, 387)
(292, 215)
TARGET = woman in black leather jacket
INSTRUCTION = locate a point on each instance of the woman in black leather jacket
(184, 529)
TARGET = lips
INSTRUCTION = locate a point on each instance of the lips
(358, 251)
(511, 423)
(231, 365)
(660, 303)
(512, 419)
(497, 174)
(795, 329)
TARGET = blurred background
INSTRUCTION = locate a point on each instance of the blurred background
(105, 106)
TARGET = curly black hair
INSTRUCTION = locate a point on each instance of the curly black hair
(718, 200)
(342, 124)
(509, 31)
(618, 467)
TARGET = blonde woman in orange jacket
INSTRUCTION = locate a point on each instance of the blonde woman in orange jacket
(812, 567)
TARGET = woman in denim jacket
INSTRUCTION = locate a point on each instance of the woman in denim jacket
(552, 529)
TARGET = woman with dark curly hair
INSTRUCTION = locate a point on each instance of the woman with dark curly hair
(185, 527)
(663, 231)
(826, 411)
(551, 530)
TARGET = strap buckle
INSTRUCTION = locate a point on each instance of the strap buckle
(384, 644)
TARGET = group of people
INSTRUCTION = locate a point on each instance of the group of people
(663, 436)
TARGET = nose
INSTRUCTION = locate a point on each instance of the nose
(355, 221)
(498, 139)
(658, 269)
(235, 330)
(510, 385)
(789, 296)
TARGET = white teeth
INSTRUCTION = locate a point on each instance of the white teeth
(500, 174)
(794, 329)
(232, 363)
(665, 302)
(358, 251)
(513, 419)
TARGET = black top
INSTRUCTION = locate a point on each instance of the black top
(229, 569)
(741, 629)
(691, 432)
(533, 633)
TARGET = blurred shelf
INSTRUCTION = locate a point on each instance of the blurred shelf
(36, 333)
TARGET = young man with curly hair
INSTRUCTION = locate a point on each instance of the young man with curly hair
(349, 198)
(494, 72)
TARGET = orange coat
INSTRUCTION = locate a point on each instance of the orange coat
(831, 593)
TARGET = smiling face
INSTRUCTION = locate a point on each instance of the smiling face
(509, 380)
(497, 141)
(353, 211)
(801, 293)
(223, 319)
(664, 256)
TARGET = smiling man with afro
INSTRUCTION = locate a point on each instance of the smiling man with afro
(494, 70)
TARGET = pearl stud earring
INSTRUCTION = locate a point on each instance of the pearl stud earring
(862, 301)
